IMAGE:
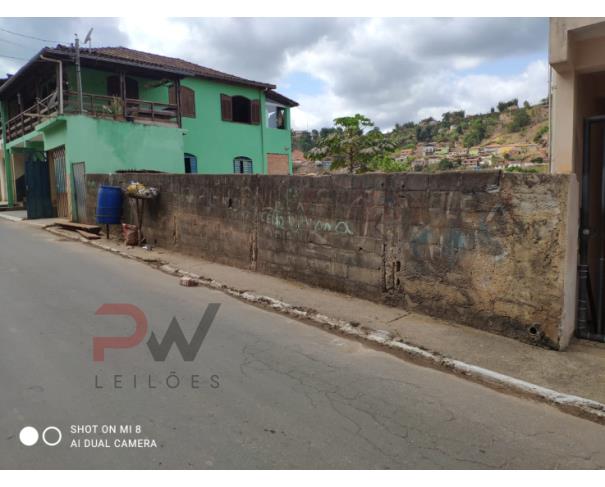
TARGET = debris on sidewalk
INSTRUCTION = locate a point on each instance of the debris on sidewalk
(79, 226)
(88, 235)
(187, 281)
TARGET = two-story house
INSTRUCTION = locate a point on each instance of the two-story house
(116, 109)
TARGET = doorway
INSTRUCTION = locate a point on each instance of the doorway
(78, 169)
(58, 177)
(37, 185)
(590, 323)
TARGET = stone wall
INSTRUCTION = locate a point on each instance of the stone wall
(486, 249)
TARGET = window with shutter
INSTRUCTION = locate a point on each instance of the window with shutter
(255, 112)
(187, 100)
(242, 165)
(226, 108)
(113, 87)
(190, 164)
(241, 109)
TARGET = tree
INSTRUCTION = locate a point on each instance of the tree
(350, 145)
(505, 105)
(520, 119)
(445, 164)
(475, 134)
(303, 142)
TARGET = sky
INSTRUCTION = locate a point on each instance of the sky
(393, 70)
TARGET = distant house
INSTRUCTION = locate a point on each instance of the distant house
(489, 149)
(404, 154)
(135, 110)
(426, 150)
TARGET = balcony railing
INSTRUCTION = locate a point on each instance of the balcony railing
(101, 106)
(25, 122)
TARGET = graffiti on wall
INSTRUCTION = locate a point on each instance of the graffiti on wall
(297, 221)
(445, 243)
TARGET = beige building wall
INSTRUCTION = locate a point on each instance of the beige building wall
(577, 61)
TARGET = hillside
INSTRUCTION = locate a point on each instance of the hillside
(510, 137)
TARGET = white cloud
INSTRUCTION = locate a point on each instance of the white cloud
(392, 70)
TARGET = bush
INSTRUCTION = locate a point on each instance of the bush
(541, 131)
(475, 135)
(445, 164)
(521, 169)
(520, 119)
(505, 105)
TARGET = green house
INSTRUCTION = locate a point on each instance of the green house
(111, 109)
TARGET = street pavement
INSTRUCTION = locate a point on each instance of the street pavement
(264, 391)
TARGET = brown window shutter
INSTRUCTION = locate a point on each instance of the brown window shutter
(172, 95)
(226, 108)
(187, 102)
(255, 112)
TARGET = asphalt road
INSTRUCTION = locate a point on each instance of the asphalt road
(263, 392)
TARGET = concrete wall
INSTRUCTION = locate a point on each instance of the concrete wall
(486, 249)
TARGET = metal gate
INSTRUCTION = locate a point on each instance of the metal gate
(78, 170)
(591, 267)
(37, 185)
(57, 160)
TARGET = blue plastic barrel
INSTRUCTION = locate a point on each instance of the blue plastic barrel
(109, 205)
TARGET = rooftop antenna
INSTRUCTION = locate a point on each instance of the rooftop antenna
(88, 39)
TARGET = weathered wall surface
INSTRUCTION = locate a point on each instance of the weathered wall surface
(486, 249)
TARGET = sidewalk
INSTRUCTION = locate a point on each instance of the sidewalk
(578, 371)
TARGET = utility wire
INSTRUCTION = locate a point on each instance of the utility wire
(28, 37)
(13, 43)
(13, 57)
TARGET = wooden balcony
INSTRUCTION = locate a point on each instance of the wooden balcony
(99, 106)
(25, 122)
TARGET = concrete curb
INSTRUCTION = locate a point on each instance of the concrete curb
(384, 340)
(11, 217)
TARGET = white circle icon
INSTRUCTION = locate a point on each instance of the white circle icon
(28, 436)
(51, 428)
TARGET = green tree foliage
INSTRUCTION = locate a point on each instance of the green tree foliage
(521, 169)
(303, 142)
(425, 132)
(445, 164)
(505, 105)
(520, 119)
(452, 118)
(352, 144)
(540, 133)
(475, 134)
(388, 164)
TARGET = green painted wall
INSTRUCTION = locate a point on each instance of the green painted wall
(216, 143)
(95, 81)
(107, 145)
